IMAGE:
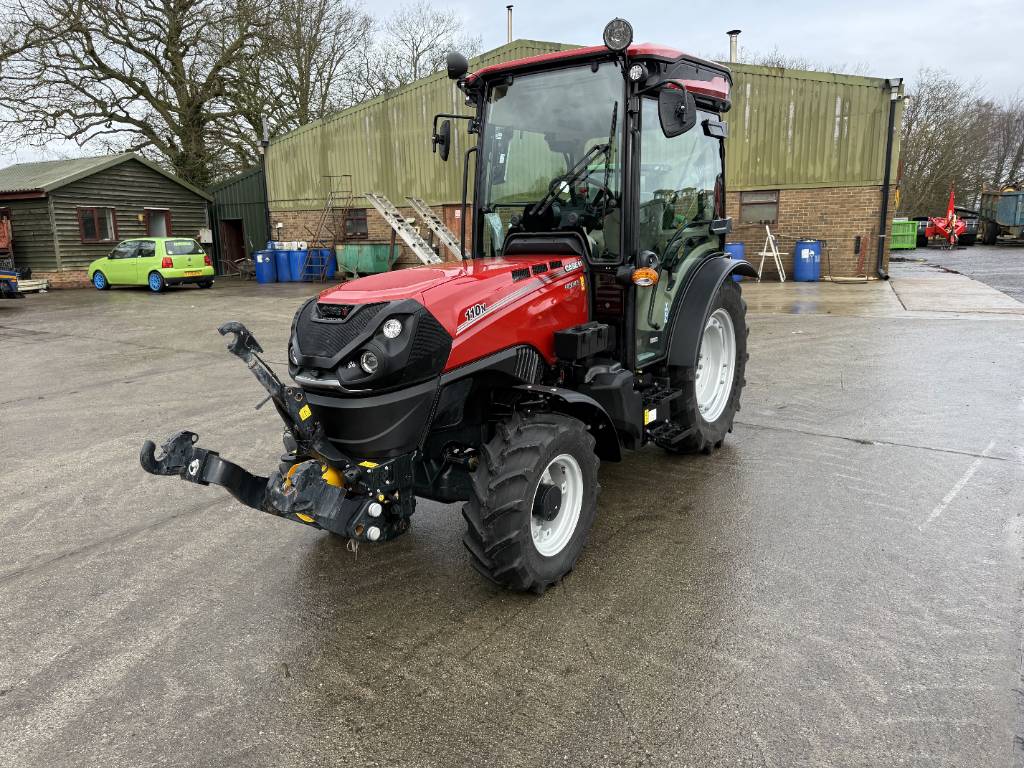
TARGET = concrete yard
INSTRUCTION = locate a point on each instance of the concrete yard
(840, 585)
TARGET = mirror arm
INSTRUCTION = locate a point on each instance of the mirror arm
(474, 124)
(661, 84)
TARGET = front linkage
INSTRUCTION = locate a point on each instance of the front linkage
(314, 484)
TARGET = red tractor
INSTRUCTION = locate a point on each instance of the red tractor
(594, 312)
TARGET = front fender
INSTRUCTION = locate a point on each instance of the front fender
(586, 409)
(684, 344)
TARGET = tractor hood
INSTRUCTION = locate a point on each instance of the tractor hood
(452, 289)
(484, 305)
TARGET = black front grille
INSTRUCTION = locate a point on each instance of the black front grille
(430, 349)
(326, 338)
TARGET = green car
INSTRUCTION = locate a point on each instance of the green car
(153, 261)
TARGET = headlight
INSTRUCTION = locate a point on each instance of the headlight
(618, 34)
(368, 362)
(392, 328)
(292, 356)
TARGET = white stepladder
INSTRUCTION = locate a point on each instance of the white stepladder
(771, 248)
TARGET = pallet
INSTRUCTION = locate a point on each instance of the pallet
(32, 286)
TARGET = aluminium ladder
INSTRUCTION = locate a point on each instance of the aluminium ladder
(446, 237)
(403, 228)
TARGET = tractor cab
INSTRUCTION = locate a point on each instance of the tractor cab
(610, 153)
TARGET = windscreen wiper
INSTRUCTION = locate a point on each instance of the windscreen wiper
(569, 177)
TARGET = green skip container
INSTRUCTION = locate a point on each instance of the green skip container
(904, 235)
(365, 258)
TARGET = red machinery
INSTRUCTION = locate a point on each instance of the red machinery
(950, 226)
(594, 311)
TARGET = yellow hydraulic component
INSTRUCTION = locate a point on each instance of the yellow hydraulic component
(304, 518)
(332, 476)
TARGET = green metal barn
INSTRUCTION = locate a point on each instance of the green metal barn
(806, 155)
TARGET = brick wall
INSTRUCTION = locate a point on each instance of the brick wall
(299, 224)
(71, 278)
(835, 215)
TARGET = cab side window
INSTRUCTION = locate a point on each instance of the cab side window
(147, 249)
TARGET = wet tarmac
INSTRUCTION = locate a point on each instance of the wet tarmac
(840, 585)
(1000, 266)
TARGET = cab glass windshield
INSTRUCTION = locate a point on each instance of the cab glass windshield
(538, 129)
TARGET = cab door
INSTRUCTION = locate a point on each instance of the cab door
(680, 179)
(147, 259)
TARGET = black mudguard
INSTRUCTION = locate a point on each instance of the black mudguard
(586, 409)
(684, 343)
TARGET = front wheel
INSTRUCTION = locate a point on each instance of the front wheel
(534, 501)
(703, 414)
(99, 280)
(156, 282)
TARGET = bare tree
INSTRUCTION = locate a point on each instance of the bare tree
(190, 82)
(945, 142)
(411, 44)
(299, 73)
(130, 75)
(777, 58)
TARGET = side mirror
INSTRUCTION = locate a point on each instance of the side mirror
(443, 140)
(677, 111)
(458, 66)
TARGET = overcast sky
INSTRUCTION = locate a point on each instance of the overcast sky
(974, 39)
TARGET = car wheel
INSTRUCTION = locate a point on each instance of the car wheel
(205, 284)
(156, 282)
(99, 280)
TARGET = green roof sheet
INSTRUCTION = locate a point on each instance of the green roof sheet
(49, 175)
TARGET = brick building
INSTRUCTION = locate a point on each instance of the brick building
(805, 154)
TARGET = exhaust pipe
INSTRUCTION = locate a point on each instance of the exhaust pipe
(509, 9)
(734, 35)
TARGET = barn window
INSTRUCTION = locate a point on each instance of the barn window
(97, 225)
(355, 224)
(759, 207)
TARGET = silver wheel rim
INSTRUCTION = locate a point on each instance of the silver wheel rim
(716, 365)
(551, 536)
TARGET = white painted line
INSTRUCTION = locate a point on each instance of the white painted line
(957, 487)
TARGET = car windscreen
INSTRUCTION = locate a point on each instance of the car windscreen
(182, 247)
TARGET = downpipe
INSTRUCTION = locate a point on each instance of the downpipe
(887, 179)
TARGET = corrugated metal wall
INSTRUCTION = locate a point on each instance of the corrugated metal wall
(788, 129)
(241, 197)
(794, 129)
(384, 144)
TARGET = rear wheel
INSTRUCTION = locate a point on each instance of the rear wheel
(156, 282)
(533, 503)
(99, 280)
(704, 412)
(205, 283)
(990, 233)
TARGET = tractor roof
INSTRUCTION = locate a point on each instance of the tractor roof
(716, 85)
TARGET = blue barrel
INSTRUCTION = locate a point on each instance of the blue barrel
(266, 267)
(807, 260)
(736, 251)
(297, 259)
(284, 269)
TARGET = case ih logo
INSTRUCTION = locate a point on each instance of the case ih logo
(333, 311)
